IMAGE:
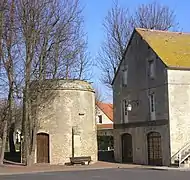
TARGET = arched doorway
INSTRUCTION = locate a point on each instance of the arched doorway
(127, 148)
(42, 148)
(154, 148)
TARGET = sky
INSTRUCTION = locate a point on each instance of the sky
(96, 10)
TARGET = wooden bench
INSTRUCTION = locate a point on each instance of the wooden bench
(80, 160)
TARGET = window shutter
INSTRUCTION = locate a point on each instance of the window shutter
(152, 69)
(125, 73)
(152, 106)
(124, 111)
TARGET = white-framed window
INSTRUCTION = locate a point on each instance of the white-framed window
(151, 69)
(124, 111)
(152, 106)
(124, 76)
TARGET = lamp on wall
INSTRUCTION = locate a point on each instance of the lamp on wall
(129, 107)
(131, 104)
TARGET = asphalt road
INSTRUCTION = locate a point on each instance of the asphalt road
(105, 174)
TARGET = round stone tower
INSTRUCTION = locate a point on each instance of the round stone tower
(66, 122)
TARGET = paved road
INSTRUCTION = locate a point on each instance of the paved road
(105, 174)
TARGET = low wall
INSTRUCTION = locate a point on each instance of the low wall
(106, 156)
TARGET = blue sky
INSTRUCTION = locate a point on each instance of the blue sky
(96, 10)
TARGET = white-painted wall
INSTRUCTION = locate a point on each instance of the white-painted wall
(179, 108)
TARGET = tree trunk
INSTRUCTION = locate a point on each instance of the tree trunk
(26, 124)
(10, 102)
(4, 140)
(31, 137)
(25, 130)
(32, 148)
(11, 138)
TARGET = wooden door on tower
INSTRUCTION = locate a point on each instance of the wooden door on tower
(154, 149)
(42, 148)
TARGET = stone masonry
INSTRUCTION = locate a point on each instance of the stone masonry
(69, 106)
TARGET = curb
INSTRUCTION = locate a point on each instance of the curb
(54, 171)
(168, 169)
(92, 168)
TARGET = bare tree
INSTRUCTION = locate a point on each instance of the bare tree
(53, 45)
(154, 16)
(39, 40)
(119, 24)
(98, 95)
(98, 99)
(67, 56)
(6, 54)
(8, 61)
(3, 120)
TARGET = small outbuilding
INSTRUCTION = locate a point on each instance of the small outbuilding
(66, 122)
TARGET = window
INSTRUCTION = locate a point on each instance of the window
(152, 106)
(124, 76)
(152, 103)
(100, 119)
(125, 112)
(152, 69)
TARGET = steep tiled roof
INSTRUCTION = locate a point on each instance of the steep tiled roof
(172, 47)
(107, 109)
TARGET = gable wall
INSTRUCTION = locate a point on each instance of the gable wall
(105, 119)
(139, 84)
